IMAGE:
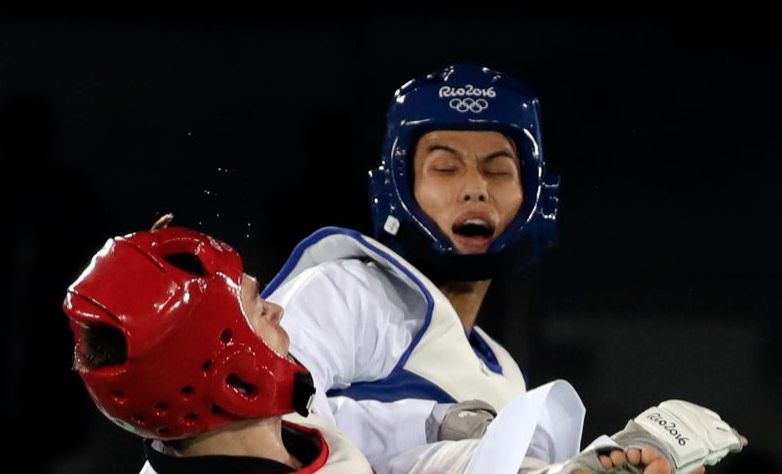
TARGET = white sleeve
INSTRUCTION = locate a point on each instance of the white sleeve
(539, 427)
(442, 457)
(445, 457)
(545, 423)
(382, 429)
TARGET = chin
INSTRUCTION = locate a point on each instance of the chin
(472, 250)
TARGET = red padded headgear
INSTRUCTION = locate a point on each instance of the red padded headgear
(194, 362)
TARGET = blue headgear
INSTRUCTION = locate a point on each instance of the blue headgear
(463, 97)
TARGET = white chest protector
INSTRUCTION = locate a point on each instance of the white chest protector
(440, 363)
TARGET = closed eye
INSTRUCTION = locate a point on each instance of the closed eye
(500, 168)
(500, 164)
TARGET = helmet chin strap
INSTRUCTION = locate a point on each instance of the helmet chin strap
(303, 392)
(441, 267)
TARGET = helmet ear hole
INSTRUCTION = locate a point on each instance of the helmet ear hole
(100, 345)
(245, 388)
(238, 382)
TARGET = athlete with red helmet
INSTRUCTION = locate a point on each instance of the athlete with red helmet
(174, 343)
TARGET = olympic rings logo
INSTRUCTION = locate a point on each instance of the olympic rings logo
(468, 104)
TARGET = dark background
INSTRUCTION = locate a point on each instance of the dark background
(665, 284)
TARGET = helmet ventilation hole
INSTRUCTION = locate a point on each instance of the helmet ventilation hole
(187, 262)
(190, 419)
(236, 382)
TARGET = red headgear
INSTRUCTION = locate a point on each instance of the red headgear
(193, 361)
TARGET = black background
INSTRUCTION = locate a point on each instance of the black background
(666, 281)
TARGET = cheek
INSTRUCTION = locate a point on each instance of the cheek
(264, 330)
(510, 201)
(422, 194)
(255, 322)
(432, 193)
(432, 201)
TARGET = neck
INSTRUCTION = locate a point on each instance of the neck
(466, 298)
(260, 438)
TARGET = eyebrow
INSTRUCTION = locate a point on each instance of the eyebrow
(499, 154)
(438, 146)
(490, 156)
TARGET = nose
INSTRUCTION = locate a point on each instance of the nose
(474, 186)
(274, 311)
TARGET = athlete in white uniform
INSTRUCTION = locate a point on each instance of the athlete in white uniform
(462, 196)
(174, 344)
(375, 318)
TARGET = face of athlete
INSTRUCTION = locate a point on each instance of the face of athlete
(469, 184)
(264, 316)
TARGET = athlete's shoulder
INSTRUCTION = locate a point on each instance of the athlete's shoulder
(343, 275)
(341, 454)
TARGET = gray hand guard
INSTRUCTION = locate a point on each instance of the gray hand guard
(466, 420)
(688, 435)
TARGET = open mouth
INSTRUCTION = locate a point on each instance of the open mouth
(471, 228)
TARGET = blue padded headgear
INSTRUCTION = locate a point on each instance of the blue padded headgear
(463, 97)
